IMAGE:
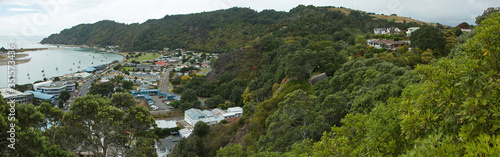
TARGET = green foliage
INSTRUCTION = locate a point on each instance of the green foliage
(212, 102)
(188, 96)
(127, 84)
(64, 95)
(428, 37)
(231, 150)
(201, 129)
(104, 89)
(175, 104)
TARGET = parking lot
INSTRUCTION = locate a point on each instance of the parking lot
(161, 105)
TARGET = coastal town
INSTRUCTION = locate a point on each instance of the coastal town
(145, 75)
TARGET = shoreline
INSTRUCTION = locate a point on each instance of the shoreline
(19, 59)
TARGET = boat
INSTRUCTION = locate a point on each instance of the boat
(43, 71)
(79, 62)
(70, 69)
(73, 63)
(57, 69)
(78, 67)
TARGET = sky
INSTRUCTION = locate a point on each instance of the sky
(45, 17)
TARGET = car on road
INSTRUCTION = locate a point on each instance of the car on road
(160, 97)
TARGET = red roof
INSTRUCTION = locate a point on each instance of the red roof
(162, 63)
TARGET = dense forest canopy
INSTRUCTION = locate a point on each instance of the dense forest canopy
(219, 31)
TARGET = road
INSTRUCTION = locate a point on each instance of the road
(164, 87)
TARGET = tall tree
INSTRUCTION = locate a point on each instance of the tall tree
(428, 37)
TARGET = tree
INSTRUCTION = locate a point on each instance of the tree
(57, 79)
(98, 124)
(201, 129)
(487, 14)
(231, 150)
(116, 67)
(175, 104)
(428, 37)
(104, 89)
(127, 84)
(188, 96)
(64, 95)
(212, 102)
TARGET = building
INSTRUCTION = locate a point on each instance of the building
(39, 97)
(391, 30)
(165, 146)
(184, 133)
(90, 69)
(410, 30)
(77, 76)
(192, 116)
(18, 97)
(53, 88)
(143, 75)
(387, 44)
(163, 124)
(233, 112)
(142, 67)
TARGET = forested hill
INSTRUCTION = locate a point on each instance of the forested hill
(222, 30)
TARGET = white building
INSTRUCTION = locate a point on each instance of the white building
(163, 124)
(410, 30)
(192, 116)
(184, 133)
(17, 96)
(391, 30)
(53, 88)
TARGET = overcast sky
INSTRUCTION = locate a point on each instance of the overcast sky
(44, 17)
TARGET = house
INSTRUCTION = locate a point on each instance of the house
(163, 124)
(410, 30)
(17, 96)
(387, 44)
(391, 30)
(160, 63)
(466, 30)
(165, 146)
(142, 67)
(205, 63)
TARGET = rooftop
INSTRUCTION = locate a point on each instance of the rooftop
(41, 95)
(9, 92)
(166, 124)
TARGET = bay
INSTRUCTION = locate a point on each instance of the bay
(53, 62)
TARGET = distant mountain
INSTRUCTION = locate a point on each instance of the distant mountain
(222, 30)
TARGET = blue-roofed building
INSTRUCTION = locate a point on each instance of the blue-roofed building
(90, 69)
(39, 97)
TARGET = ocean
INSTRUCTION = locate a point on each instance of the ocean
(49, 63)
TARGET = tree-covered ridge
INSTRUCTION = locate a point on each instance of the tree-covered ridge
(218, 31)
(223, 30)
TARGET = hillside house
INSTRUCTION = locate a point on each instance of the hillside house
(387, 44)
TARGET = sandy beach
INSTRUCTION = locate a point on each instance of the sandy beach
(19, 59)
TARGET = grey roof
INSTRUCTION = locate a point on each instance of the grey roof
(168, 143)
(143, 66)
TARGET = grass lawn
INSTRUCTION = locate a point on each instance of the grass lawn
(127, 69)
(145, 57)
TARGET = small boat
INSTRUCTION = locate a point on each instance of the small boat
(79, 62)
(43, 71)
(92, 63)
(78, 67)
(57, 69)
(43, 75)
(73, 63)
(70, 69)
(93, 56)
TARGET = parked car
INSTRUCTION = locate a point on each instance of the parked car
(161, 97)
